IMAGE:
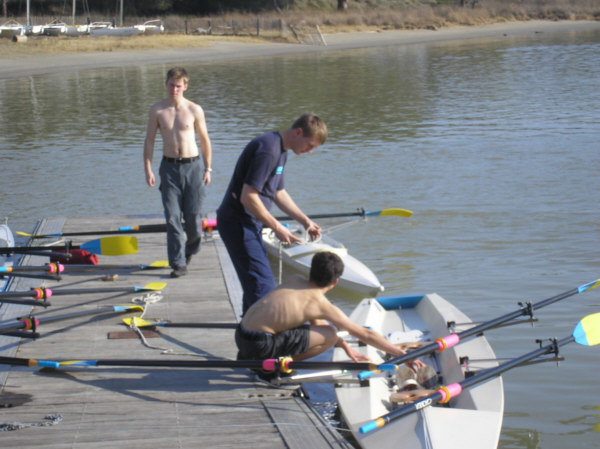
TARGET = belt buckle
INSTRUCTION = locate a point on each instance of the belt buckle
(179, 160)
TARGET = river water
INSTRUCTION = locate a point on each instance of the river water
(493, 143)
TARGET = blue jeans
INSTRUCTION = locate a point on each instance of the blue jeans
(246, 249)
(182, 189)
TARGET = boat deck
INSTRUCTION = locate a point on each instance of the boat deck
(110, 407)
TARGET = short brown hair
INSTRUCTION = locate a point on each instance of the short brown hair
(178, 73)
(325, 268)
(312, 126)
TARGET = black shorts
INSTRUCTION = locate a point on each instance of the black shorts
(262, 345)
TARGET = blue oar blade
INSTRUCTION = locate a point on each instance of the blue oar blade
(587, 331)
(589, 286)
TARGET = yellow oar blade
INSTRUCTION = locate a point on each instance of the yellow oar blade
(160, 264)
(397, 212)
(137, 322)
(393, 211)
(587, 331)
(118, 245)
(154, 286)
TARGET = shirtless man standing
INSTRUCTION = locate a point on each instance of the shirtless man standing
(183, 180)
(275, 325)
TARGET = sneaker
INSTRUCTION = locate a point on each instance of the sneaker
(273, 380)
(178, 272)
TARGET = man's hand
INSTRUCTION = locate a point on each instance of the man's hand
(285, 235)
(314, 230)
(150, 178)
(415, 364)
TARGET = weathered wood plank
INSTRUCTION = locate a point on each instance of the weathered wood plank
(136, 407)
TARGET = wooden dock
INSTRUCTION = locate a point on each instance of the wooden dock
(135, 407)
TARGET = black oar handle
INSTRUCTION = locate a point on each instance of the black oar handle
(358, 213)
(29, 249)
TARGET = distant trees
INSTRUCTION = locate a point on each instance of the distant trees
(141, 7)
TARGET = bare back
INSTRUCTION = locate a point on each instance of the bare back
(288, 306)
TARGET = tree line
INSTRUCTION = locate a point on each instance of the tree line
(140, 7)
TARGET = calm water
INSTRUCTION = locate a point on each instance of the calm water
(495, 145)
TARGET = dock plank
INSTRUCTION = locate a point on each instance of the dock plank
(137, 407)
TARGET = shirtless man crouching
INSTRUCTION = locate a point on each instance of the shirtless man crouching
(276, 326)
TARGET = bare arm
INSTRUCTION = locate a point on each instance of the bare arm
(205, 145)
(250, 199)
(149, 146)
(285, 202)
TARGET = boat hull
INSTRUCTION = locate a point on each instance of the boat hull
(472, 421)
(6, 240)
(118, 32)
(357, 277)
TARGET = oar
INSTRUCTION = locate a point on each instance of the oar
(156, 265)
(162, 227)
(31, 323)
(140, 322)
(26, 302)
(50, 277)
(281, 365)
(359, 213)
(107, 246)
(207, 224)
(44, 292)
(444, 343)
(53, 267)
(586, 333)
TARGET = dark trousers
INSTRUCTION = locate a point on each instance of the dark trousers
(183, 191)
(249, 257)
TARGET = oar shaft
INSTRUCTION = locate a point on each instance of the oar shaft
(194, 325)
(49, 277)
(446, 393)
(33, 322)
(269, 364)
(37, 293)
(100, 267)
(81, 291)
(476, 330)
(359, 213)
(25, 302)
(50, 268)
(28, 249)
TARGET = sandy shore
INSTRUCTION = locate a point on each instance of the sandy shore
(24, 66)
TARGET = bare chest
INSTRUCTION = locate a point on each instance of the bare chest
(176, 120)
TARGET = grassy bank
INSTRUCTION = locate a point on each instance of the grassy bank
(291, 24)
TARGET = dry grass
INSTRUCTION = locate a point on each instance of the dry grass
(360, 16)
